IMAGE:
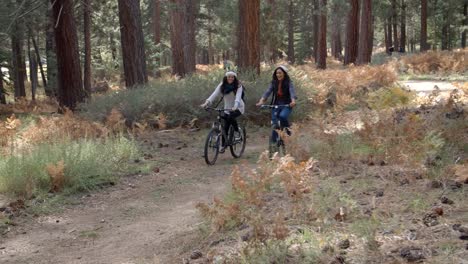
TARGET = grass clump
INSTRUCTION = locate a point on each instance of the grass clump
(71, 166)
(179, 99)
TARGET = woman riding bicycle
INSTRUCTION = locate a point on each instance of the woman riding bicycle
(284, 96)
(231, 91)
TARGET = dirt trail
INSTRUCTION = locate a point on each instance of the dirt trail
(143, 219)
(427, 87)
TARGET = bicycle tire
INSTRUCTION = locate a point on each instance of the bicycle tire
(234, 145)
(212, 143)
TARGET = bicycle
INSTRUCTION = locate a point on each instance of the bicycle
(236, 140)
(278, 145)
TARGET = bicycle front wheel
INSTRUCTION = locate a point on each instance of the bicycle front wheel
(238, 139)
(212, 146)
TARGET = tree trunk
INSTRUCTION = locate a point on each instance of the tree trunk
(132, 41)
(156, 22)
(87, 45)
(32, 69)
(352, 35)
(365, 32)
(403, 27)
(272, 41)
(371, 37)
(177, 39)
(390, 33)
(386, 38)
(291, 57)
(51, 90)
(2, 90)
(70, 91)
(396, 43)
(336, 46)
(424, 46)
(465, 23)
(445, 31)
(322, 45)
(191, 10)
(38, 58)
(249, 35)
(18, 68)
(315, 28)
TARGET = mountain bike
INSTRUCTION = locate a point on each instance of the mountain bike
(276, 140)
(235, 140)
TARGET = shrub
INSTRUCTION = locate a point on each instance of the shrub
(85, 164)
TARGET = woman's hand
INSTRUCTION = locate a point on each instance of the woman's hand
(293, 103)
(260, 102)
(204, 105)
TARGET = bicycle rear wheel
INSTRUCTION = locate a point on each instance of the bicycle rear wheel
(212, 145)
(238, 141)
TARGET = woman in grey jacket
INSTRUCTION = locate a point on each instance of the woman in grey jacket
(231, 91)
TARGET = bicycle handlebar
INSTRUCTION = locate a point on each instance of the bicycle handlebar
(217, 109)
(274, 106)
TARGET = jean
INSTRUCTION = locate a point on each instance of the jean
(230, 120)
(282, 114)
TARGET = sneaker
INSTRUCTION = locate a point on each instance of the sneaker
(288, 131)
(222, 149)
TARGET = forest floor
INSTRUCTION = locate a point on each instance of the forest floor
(152, 218)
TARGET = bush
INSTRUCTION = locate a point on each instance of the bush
(179, 100)
(76, 165)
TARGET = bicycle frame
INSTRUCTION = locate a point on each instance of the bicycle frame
(219, 125)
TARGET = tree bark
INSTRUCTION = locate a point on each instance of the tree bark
(70, 91)
(396, 43)
(32, 69)
(51, 90)
(2, 90)
(87, 45)
(249, 35)
(403, 27)
(315, 28)
(365, 33)
(352, 35)
(387, 43)
(191, 10)
(322, 45)
(465, 23)
(18, 68)
(132, 41)
(38, 58)
(291, 57)
(424, 46)
(336, 45)
(156, 22)
(177, 41)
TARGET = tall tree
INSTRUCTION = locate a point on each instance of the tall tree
(336, 45)
(249, 35)
(322, 45)
(424, 45)
(365, 33)
(177, 39)
(70, 83)
(19, 68)
(191, 9)
(132, 41)
(465, 23)
(403, 26)
(32, 68)
(87, 44)
(2, 90)
(352, 33)
(39, 62)
(156, 21)
(291, 57)
(51, 89)
(394, 12)
(315, 29)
